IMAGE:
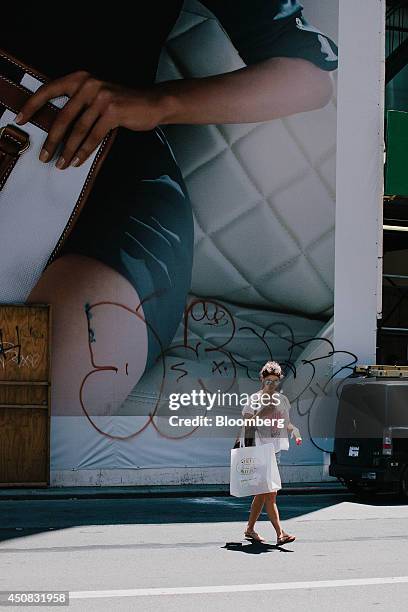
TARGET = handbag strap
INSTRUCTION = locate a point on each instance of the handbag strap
(13, 142)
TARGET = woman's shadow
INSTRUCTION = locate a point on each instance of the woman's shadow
(254, 548)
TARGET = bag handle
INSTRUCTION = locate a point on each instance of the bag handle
(242, 438)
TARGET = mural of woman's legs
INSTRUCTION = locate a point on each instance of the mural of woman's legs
(95, 324)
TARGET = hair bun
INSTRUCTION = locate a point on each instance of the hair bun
(271, 367)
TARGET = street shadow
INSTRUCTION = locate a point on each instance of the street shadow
(19, 518)
(255, 548)
(22, 518)
(375, 498)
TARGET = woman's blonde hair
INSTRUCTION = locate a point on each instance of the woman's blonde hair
(270, 367)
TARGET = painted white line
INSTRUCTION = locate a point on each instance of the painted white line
(233, 588)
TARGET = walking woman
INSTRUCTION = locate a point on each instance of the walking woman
(272, 404)
(133, 243)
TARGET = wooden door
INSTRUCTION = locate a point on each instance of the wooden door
(24, 395)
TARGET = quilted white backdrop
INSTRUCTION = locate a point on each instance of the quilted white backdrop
(269, 186)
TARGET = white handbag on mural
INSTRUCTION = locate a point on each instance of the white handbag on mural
(254, 469)
(39, 204)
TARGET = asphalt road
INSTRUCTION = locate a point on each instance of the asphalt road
(188, 554)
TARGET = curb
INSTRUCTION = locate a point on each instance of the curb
(156, 491)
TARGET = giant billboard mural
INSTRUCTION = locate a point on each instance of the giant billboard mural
(211, 254)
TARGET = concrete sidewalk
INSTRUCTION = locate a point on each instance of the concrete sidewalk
(156, 491)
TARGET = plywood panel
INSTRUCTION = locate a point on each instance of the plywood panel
(24, 354)
(24, 395)
(30, 395)
(23, 445)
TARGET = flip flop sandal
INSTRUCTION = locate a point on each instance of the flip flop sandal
(252, 535)
(285, 540)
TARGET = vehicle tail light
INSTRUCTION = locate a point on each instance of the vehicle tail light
(387, 441)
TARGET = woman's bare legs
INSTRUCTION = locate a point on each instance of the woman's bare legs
(256, 509)
(273, 513)
(269, 499)
(75, 286)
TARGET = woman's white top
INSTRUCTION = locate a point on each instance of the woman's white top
(270, 434)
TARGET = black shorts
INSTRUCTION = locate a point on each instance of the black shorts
(138, 220)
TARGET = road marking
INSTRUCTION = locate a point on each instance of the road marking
(233, 588)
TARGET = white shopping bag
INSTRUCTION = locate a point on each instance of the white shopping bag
(254, 470)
